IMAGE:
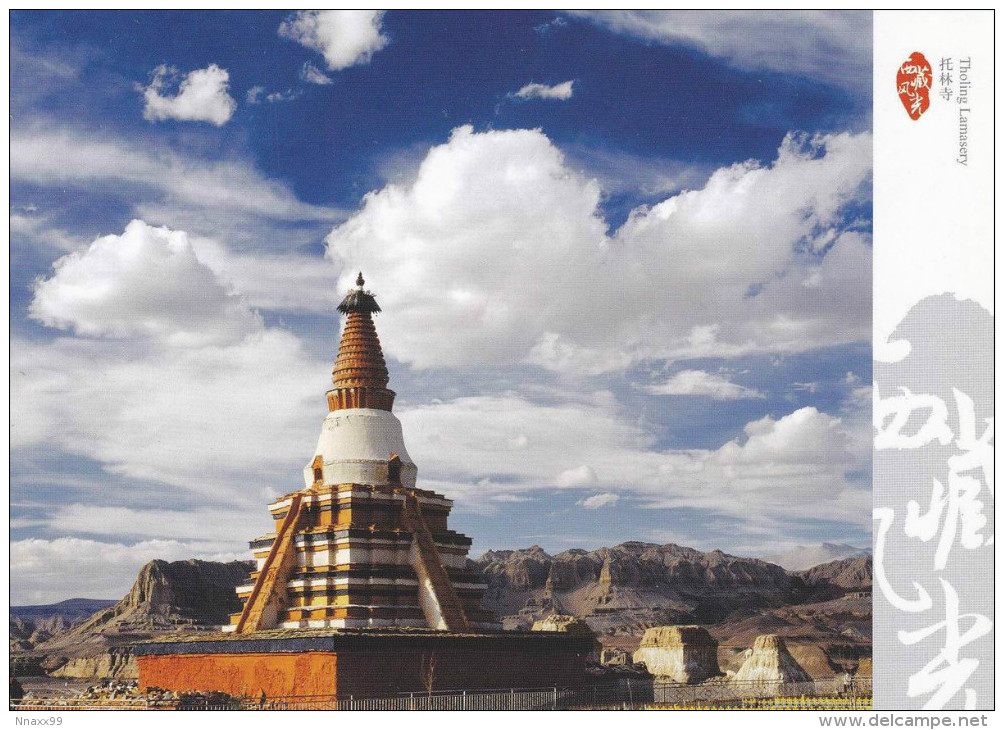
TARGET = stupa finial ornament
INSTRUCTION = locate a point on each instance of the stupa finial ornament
(359, 300)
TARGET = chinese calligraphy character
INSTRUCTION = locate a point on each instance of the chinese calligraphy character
(946, 674)
(945, 79)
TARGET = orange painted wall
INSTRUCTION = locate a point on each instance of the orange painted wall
(279, 675)
(377, 666)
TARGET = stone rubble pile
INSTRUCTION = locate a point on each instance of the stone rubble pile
(115, 692)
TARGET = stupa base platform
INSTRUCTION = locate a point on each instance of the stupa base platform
(343, 663)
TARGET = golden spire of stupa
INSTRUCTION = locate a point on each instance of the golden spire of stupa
(360, 374)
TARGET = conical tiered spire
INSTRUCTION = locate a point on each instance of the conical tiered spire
(360, 374)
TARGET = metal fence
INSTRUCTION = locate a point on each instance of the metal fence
(734, 692)
(516, 699)
(835, 693)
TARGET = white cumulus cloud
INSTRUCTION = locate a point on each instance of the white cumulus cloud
(145, 282)
(561, 92)
(201, 96)
(498, 252)
(344, 37)
(172, 379)
(699, 382)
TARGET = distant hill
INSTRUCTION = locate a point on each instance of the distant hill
(34, 625)
(805, 557)
(71, 610)
(839, 577)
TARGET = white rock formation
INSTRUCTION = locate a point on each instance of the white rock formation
(770, 661)
(685, 654)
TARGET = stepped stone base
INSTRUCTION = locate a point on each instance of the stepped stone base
(362, 663)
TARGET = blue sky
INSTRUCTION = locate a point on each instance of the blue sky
(624, 260)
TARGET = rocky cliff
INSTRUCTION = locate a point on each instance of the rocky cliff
(824, 613)
(166, 597)
(187, 596)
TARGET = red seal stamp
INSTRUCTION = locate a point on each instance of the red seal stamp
(913, 84)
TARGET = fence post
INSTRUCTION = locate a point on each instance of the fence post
(555, 703)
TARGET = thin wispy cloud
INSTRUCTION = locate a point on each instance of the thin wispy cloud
(313, 75)
(699, 382)
(556, 92)
(790, 467)
(550, 26)
(280, 96)
(46, 154)
(599, 501)
(259, 94)
(833, 46)
(255, 94)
